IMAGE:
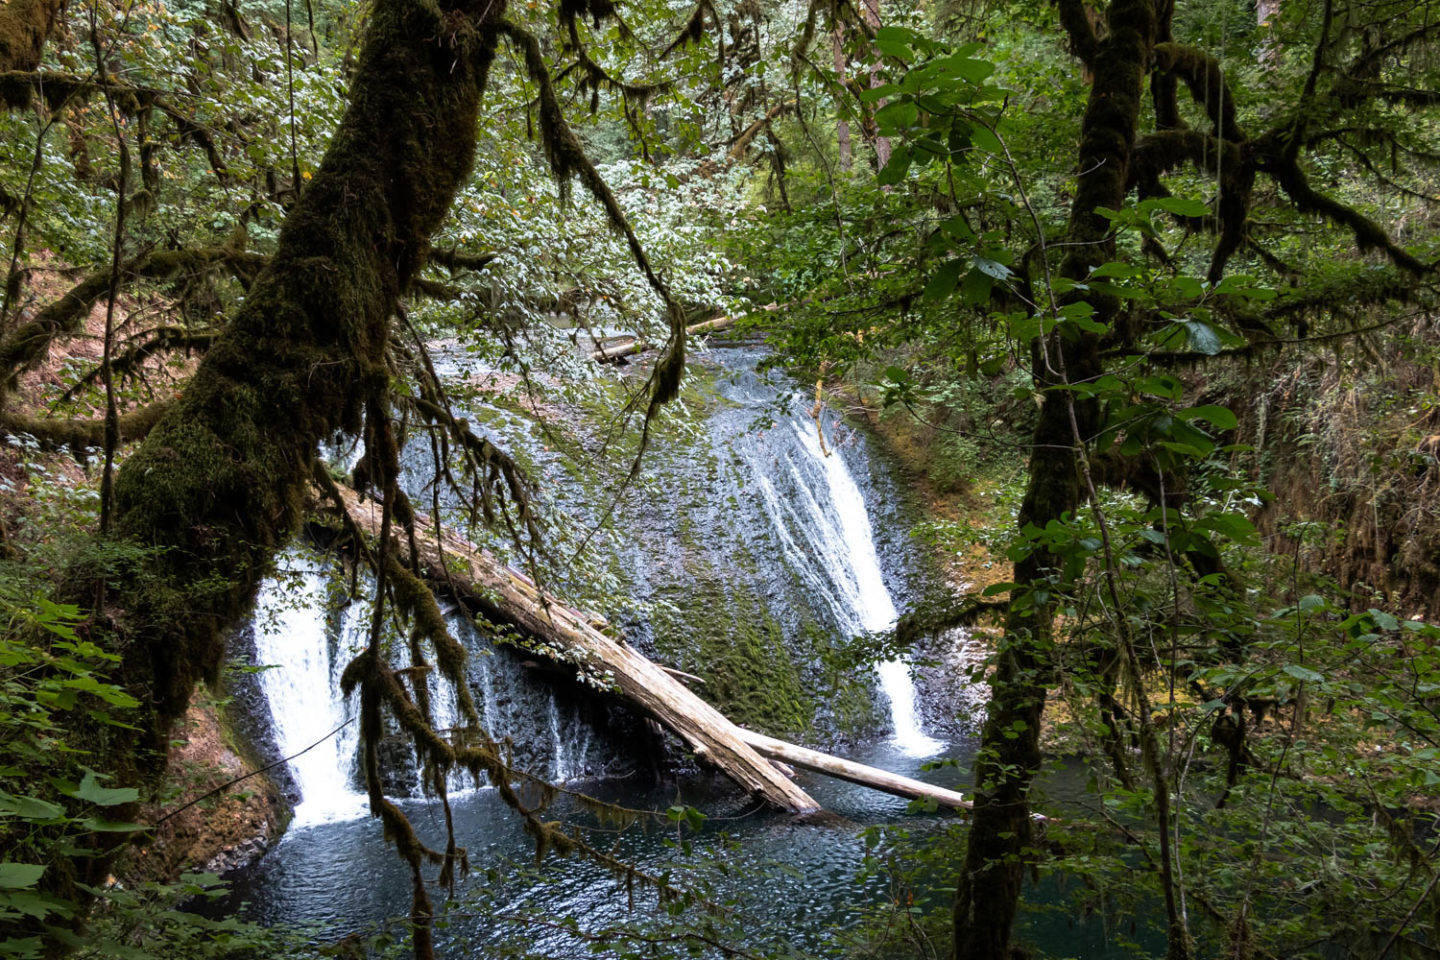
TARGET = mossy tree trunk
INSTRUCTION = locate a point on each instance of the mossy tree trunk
(1000, 843)
(218, 484)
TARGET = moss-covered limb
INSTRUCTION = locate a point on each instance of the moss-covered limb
(742, 141)
(27, 344)
(487, 464)
(567, 159)
(130, 363)
(1368, 60)
(24, 27)
(693, 29)
(18, 85)
(1274, 159)
(592, 78)
(1156, 154)
(78, 434)
(435, 290)
(1075, 19)
(455, 261)
(1203, 77)
(221, 479)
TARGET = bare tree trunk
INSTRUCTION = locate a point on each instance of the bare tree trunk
(871, 11)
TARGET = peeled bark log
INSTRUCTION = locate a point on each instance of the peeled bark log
(505, 595)
(853, 772)
(611, 354)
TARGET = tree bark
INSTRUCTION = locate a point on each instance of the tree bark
(842, 126)
(870, 9)
(1000, 843)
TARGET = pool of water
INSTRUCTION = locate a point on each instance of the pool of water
(792, 881)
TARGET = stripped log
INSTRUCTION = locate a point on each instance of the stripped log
(854, 772)
(613, 353)
(507, 596)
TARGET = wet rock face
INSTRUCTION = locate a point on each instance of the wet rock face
(248, 715)
(238, 855)
(399, 773)
(222, 832)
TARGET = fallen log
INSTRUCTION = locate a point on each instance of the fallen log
(753, 760)
(853, 772)
(611, 354)
(506, 596)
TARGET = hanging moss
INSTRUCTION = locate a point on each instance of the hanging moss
(24, 27)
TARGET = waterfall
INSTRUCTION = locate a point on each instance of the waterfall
(293, 641)
(820, 520)
(775, 495)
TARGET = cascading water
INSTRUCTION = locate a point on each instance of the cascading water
(292, 639)
(825, 505)
(753, 525)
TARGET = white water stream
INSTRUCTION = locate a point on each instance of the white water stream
(846, 544)
(301, 685)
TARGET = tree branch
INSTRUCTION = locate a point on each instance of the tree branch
(26, 345)
(79, 433)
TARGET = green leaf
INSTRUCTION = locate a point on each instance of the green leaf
(1180, 206)
(1122, 271)
(896, 41)
(1220, 416)
(1202, 338)
(896, 169)
(898, 116)
(983, 138)
(16, 876)
(29, 808)
(942, 282)
(872, 94)
(975, 291)
(91, 791)
(110, 826)
(992, 268)
(1303, 674)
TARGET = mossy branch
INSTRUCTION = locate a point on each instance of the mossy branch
(26, 345)
(1203, 77)
(80, 433)
(1079, 27)
(1368, 234)
(129, 365)
(455, 261)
